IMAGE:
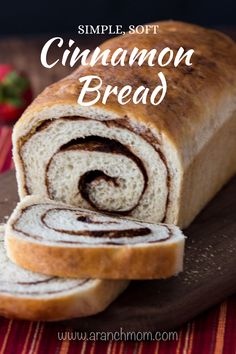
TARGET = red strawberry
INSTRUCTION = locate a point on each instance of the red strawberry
(15, 93)
(4, 70)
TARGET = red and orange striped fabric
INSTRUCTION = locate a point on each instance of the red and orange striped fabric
(212, 332)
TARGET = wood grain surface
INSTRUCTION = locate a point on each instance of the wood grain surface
(208, 278)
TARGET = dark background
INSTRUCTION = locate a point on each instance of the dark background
(45, 16)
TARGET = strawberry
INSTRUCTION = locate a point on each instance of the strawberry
(15, 93)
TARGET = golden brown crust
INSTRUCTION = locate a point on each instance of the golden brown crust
(201, 183)
(151, 261)
(199, 105)
(209, 81)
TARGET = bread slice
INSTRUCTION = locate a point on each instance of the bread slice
(53, 238)
(33, 296)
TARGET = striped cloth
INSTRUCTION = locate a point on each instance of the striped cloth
(212, 332)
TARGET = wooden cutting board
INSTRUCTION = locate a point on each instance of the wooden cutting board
(209, 276)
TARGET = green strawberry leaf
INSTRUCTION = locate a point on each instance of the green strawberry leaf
(1, 94)
(15, 84)
(15, 101)
(12, 88)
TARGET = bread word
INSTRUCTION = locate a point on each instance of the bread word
(119, 57)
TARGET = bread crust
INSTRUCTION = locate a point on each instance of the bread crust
(140, 261)
(200, 102)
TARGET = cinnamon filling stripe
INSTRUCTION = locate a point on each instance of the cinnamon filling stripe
(51, 292)
(106, 145)
(111, 234)
(142, 231)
